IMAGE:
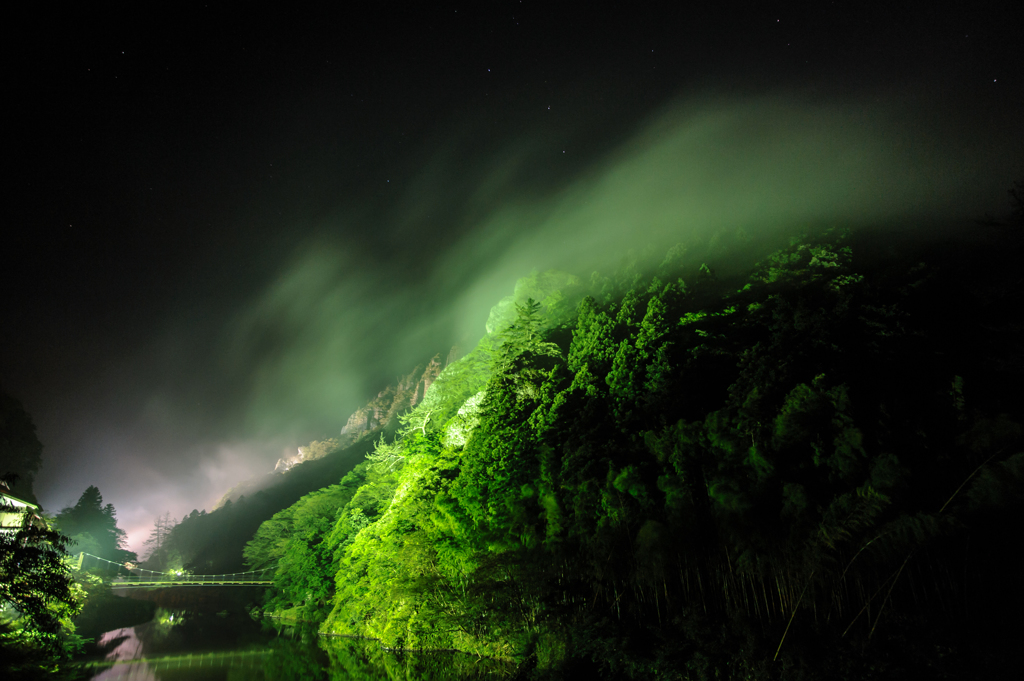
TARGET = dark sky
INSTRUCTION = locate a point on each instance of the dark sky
(225, 231)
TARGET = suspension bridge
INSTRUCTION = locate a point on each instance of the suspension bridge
(129, 575)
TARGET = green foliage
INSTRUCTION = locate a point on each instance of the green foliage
(555, 293)
(387, 457)
(458, 382)
(296, 541)
(38, 601)
(717, 480)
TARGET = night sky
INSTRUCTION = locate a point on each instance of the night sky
(224, 232)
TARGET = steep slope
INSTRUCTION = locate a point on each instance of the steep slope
(213, 542)
(709, 478)
(379, 414)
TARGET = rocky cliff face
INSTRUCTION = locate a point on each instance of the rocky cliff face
(383, 410)
(380, 412)
(311, 452)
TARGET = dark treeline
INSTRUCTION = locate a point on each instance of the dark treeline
(21, 453)
(212, 542)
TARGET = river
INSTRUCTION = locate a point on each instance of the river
(183, 644)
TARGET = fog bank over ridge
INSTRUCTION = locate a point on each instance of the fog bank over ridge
(772, 163)
(369, 293)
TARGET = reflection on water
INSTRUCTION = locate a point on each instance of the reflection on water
(238, 665)
(184, 645)
(364, 660)
(179, 645)
(123, 644)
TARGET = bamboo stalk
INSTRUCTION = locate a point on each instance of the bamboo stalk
(887, 594)
(791, 617)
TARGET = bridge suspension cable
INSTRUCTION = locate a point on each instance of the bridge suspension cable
(138, 576)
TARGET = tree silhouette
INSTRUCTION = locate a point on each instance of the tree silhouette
(20, 450)
(90, 519)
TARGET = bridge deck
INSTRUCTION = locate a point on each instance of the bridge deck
(115, 584)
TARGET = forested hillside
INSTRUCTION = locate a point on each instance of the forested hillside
(210, 543)
(812, 468)
(213, 542)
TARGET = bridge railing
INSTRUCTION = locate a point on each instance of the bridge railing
(186, 579)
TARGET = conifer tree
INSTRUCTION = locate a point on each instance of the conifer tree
(89, 519)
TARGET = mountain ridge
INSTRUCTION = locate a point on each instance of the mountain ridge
(379, 414)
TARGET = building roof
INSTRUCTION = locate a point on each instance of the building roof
(13, 511)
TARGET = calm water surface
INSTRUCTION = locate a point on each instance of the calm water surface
(179, 644)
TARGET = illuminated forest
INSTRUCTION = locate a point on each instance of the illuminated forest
(808, 467)
(677, 342)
